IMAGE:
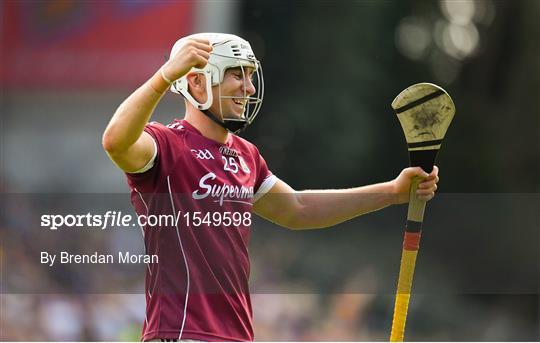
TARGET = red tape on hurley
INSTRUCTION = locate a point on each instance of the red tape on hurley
(411, 241)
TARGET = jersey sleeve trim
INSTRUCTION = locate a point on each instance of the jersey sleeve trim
(266, 185)
(150, 163)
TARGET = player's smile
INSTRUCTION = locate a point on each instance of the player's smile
(239, 106)
(239, 102)
(236, 81)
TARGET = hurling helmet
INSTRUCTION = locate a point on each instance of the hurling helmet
(229, 51)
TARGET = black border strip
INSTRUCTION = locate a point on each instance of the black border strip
(423, 144)
(420, 101)
(413, 226)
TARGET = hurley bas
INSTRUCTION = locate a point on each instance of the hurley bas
(96, 258)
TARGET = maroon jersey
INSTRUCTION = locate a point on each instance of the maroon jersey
(199, 288)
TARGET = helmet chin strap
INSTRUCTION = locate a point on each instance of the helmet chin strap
(234, 126)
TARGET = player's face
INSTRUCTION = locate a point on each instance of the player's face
(236, 84)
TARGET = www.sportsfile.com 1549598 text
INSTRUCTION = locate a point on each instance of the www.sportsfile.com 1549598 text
(116, 219)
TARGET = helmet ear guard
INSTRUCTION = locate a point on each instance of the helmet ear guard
(229, 51)
(180, 86)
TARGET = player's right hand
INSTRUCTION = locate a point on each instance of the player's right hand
(194, 53)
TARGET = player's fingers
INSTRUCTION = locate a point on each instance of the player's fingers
(201, 61)
(427, 183)
(431, 176)
(200, 40)
(203, 46)
(426, 194)
(425, 189)
(417, 171)
(434, 175)
(193, 47)
(203, 54)
(426, 197)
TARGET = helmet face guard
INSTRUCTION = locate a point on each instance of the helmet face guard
(229, 51)
(252, 103)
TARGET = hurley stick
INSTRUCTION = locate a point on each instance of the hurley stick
(425, 111)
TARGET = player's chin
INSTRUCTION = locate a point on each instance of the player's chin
(235, 113)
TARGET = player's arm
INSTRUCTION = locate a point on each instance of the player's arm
(124, 139)
(312, 209)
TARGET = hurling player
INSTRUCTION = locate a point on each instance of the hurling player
(198, 170)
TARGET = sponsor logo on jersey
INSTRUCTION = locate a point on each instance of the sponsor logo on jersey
(202, 154)
(222, 192)
(228, 151)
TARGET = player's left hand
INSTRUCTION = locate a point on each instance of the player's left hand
(426, 188)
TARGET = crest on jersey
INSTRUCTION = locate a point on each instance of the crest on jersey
(243, 164)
